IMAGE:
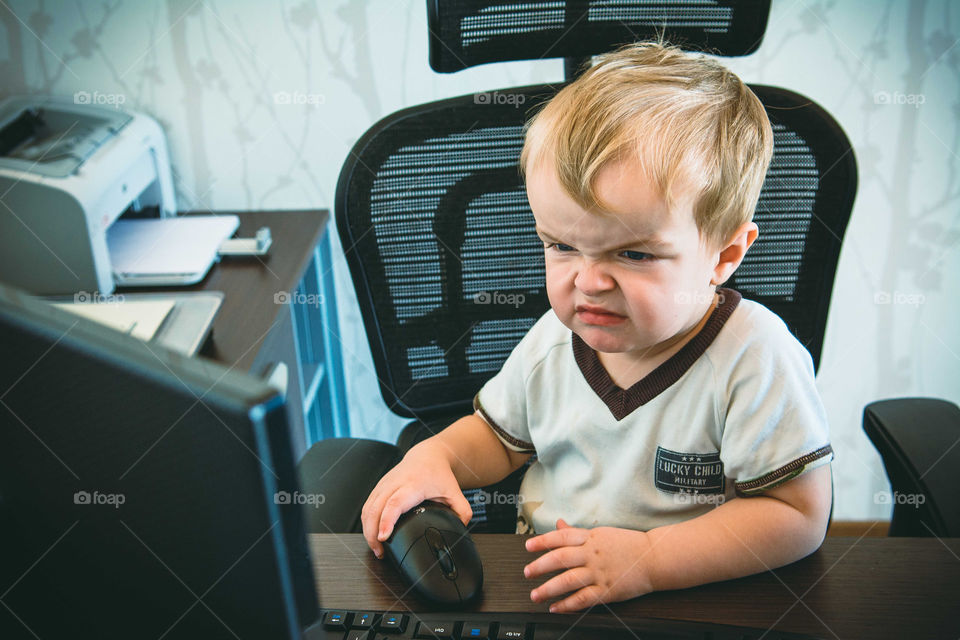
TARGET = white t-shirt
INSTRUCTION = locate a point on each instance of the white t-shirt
(734, 412)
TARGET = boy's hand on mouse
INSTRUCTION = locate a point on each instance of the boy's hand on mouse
(421, 475)
(605, 564)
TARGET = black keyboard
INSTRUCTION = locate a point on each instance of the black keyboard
(386, 625)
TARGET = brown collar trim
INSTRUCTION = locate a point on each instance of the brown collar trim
(622, 402)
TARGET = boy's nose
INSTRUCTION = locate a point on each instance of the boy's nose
(592, 278)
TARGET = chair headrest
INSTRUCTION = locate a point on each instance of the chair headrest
(466, 34)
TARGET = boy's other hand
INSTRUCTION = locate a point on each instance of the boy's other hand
(604, 564)
(421, 475)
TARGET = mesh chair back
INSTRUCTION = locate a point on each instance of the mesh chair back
(448, 269)
(468, 33)
(434, 220)
(802, 214)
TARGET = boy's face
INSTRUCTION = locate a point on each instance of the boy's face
(634, 280)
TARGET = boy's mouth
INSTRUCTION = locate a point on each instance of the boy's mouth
(598, 315)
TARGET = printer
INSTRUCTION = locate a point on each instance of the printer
(68, 171)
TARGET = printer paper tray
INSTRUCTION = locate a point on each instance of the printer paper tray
(173, 251)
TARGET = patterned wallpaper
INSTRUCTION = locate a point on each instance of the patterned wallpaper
(262, 101)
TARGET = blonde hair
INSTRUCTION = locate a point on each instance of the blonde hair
(683, 117)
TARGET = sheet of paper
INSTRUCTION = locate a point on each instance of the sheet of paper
(141, 319)
(167, 246)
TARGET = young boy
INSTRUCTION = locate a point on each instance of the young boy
(679, 436)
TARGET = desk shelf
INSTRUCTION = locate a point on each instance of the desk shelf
(281, 309)
(317, 339)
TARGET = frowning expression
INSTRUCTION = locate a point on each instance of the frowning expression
(633, 278)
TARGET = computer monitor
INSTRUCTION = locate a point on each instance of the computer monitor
(141, 492)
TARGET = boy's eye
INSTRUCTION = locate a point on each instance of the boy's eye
(636, 255)
(560, 247)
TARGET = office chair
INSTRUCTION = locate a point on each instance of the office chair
(466, 34)
(440, 242)
(917, 439)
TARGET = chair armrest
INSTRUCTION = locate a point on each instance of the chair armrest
(916, 438)
(341, 472)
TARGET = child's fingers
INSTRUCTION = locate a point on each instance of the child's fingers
(371, 537)
(560, 538)
(370, 521)
(461, 506)
(400, 502)
(562, 558)
(572, 580)
(586, 597)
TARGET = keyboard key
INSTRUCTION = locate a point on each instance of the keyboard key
(392, 623)
(438, 630)
(512, 632)
(376, 625)
(475, 630)
(362, 620)
(336, 620)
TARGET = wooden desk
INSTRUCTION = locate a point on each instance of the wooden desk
(252, 330)
(850, 588)
(249, 283)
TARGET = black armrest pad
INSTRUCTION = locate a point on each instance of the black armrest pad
(336, 476)
(916, 438)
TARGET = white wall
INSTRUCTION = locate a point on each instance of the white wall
(210, 71)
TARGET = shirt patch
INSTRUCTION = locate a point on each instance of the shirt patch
(677, 472)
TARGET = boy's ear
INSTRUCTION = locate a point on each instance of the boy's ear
(730, 256)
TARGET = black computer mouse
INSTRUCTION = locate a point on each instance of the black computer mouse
(434, 553)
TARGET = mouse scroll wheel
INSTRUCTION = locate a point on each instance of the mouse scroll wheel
(439, 547)
(446, 562)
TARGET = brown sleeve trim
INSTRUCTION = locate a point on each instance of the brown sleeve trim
(526, 447)
(781, 475)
